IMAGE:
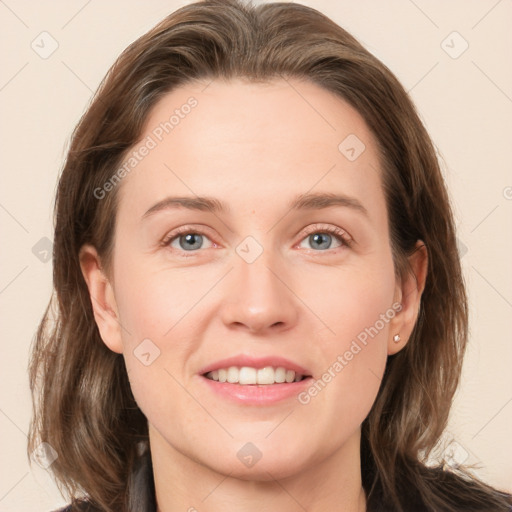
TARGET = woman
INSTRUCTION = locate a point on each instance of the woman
(211, 349)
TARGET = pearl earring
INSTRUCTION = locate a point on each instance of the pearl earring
(396, 338)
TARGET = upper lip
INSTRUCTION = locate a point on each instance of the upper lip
(255, 362)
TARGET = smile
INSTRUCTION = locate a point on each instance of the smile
(247, 375)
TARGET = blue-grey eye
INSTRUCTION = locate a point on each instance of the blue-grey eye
(320, 241)
(190, 241)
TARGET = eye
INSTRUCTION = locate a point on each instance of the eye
(187, 240)
(325, 238)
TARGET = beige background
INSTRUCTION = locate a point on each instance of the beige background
(466, 103)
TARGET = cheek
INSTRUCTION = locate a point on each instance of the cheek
(160, 311)
(152, 301)
(350, 301)
(356, 308)
(153, 339)
(146, 309)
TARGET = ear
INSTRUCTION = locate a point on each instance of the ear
(408, 293)
(102, 298)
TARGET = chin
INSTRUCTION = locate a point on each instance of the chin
(263, 459)
(262, 471)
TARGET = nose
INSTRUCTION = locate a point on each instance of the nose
(259, 299)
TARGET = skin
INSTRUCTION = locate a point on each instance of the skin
(255, 147)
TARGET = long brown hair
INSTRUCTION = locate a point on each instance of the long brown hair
(83, 405)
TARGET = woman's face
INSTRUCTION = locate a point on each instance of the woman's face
(252, 233)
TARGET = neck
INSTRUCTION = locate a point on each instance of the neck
(183, 484)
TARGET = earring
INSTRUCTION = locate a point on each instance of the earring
(396, 338)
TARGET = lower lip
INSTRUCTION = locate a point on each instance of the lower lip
(254, 394)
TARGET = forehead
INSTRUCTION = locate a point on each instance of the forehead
(245, 140)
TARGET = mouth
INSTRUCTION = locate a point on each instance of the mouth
(257, 381)
(251, 376)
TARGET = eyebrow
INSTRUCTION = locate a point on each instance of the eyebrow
(319, 201)
(205, 204)
(307, 201)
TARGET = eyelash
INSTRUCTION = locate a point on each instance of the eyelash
(338, 233)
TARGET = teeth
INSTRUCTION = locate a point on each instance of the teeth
(247, 375)
(233, 374)
(280, 375)
(266, 375)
